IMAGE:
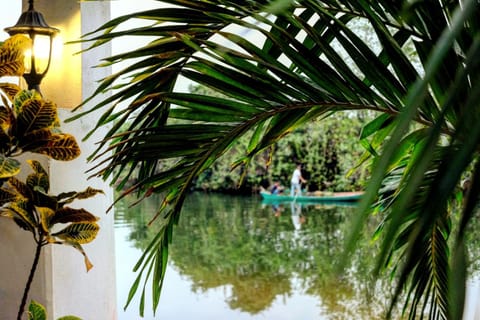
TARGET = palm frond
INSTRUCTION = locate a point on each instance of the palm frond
(278, 70)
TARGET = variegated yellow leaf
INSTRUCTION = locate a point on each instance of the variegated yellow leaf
(68, 197)
(46, 215)
(43, 199)
(88, 193)
(67, 215)
(10, 89)
(79, 232)
(19, 42)
(51, 240)
(77, 246)
(37, 166)
(62, 147)
(12, 55)
(36, 114)
(20, 187)
(22, 224)
(24, 97)
(34, 140)
(7, 196)
(5, 118)
(38, 179)
(8, 167)
(6, 212)
(22, 215)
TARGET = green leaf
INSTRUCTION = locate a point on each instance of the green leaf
(278, 6)
(375, 125)
(36, 311)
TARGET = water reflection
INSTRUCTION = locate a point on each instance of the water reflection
(259, 260)
(236, 258)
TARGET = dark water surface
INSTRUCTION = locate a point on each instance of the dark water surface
(236, 258)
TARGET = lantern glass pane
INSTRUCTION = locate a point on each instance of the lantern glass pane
(41, 52)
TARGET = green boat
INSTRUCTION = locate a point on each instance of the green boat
(313, 198)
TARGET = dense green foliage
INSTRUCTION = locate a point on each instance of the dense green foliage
(285, 63)
(328, 151)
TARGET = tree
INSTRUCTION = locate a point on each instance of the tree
(282, 64)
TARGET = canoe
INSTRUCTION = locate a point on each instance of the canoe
(318, 197)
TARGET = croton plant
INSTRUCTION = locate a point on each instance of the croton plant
(30, 123)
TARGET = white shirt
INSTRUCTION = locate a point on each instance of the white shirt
(296, 176)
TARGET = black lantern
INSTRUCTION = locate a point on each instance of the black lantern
(32, 24)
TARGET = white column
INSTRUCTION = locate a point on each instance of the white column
(89, 295)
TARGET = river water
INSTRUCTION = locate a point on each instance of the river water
(238, 258)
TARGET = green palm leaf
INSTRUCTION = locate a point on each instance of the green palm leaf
(277, 71)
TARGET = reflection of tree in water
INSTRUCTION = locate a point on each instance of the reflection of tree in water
(138, 217)
(236, 243)
(255, 293)
(236, 240)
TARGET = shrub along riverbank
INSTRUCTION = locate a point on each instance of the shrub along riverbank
(328, 150)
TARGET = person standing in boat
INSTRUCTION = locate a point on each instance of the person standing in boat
(296, 181)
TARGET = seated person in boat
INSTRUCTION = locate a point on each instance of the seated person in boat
(276, 188)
